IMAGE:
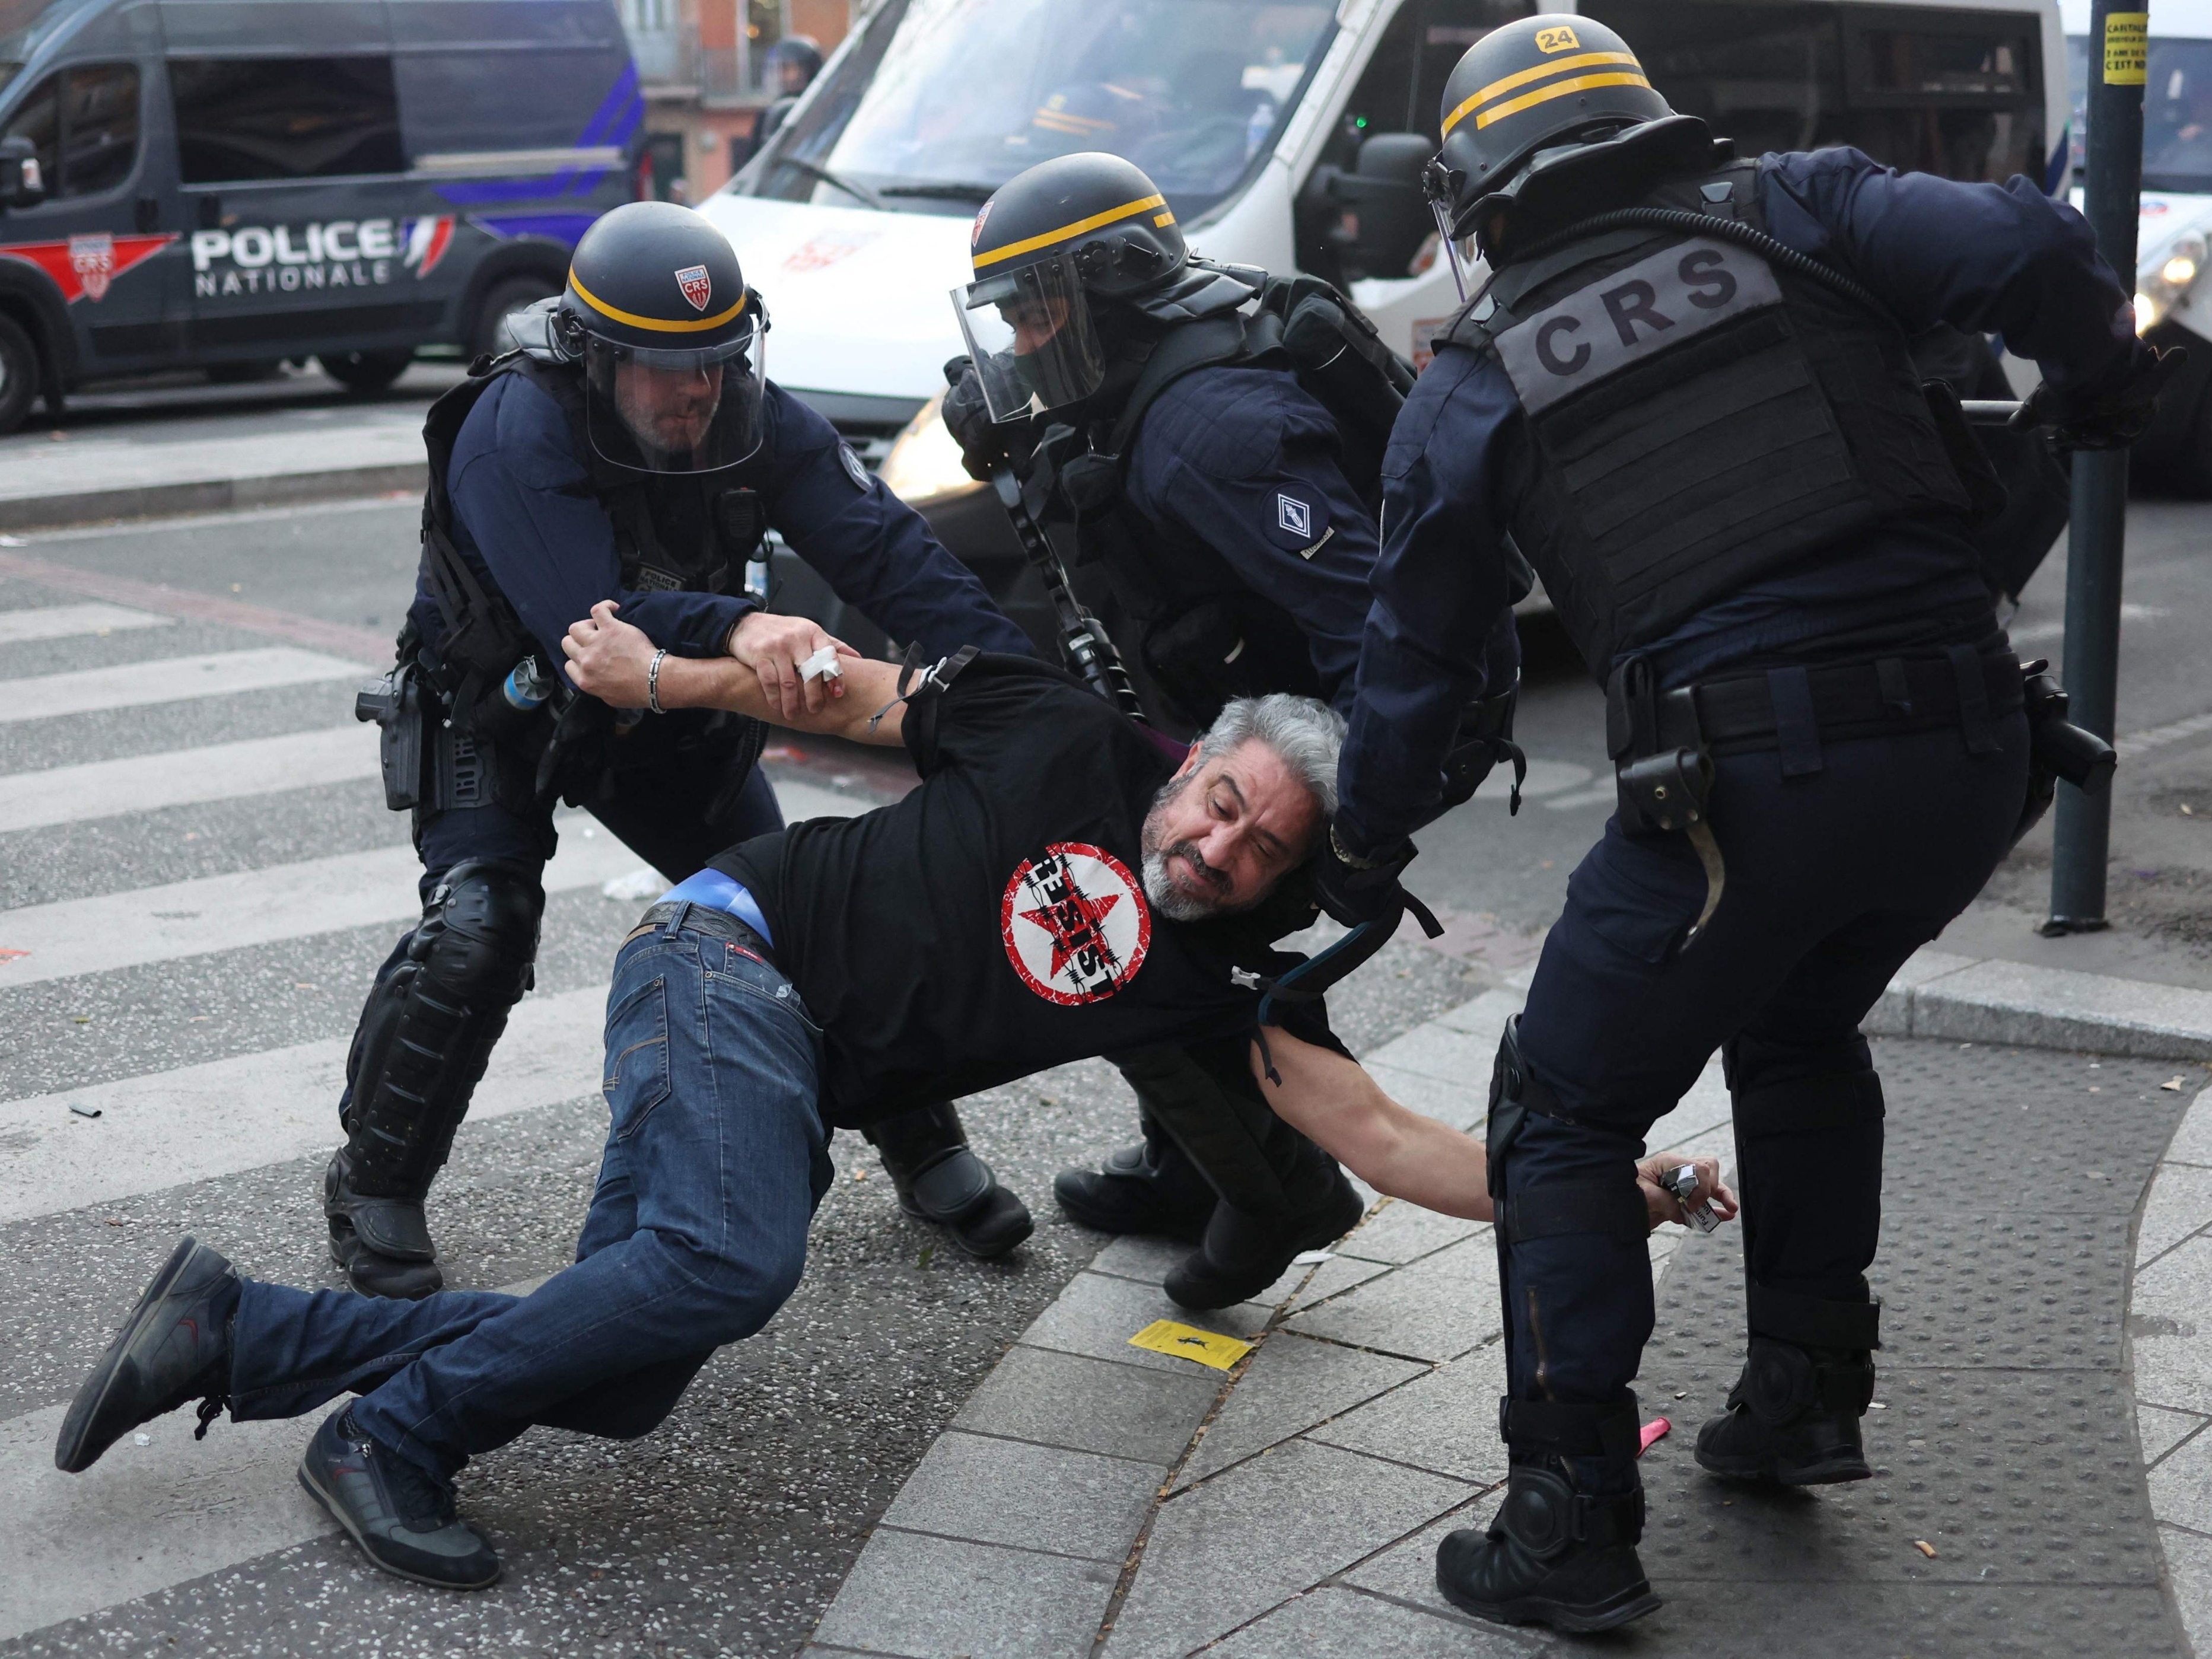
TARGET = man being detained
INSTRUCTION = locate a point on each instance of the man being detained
(1055, 889)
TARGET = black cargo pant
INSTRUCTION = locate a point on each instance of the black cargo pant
(1835, 875)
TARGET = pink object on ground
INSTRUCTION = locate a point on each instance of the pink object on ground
(1655, 1430)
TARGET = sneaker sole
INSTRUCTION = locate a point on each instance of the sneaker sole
(331, 1506)
(69, 1445)
(1540, 1610)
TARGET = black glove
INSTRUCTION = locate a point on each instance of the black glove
(1355, 888)
(2112, 419)
(967, 418)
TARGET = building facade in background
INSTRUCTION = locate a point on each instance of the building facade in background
(701, 63)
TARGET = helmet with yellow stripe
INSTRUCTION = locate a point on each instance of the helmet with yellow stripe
(657, 310)
(1049, 242)
(1540, 84)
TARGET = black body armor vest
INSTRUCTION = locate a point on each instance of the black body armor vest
(1700, 415)
(1203, 634)
(484, 749)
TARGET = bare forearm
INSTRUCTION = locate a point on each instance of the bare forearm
(725, 682)
(1392, 1149)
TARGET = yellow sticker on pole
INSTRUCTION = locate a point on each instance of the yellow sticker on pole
(1188, 1342)
(2127, 47)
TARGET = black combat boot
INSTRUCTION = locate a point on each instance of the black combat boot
(382, 1243)
(1243, 1253)
(1151, 1187)
(402, 1515)
(1554, 1556)
(940, 1179)
(174, 1349)
(1792, 1418)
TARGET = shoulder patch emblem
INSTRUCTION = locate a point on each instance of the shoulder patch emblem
(1293, 515)
(856, 468)
(698, 287)
(1075, 924)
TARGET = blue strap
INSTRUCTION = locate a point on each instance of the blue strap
(1796, 733)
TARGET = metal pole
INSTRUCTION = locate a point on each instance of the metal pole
(2118, 46)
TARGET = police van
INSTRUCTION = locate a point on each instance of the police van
(2171, 308)
(1285, 134)
(224, 184)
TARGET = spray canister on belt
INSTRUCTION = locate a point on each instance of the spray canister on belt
(527, 686)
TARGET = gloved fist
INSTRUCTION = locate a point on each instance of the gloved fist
(967, 418)
(2110, 420)
(1357, 887)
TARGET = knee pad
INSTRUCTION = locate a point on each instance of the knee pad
(478, 935)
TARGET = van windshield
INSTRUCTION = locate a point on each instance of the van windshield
(941, 101)
(2176, 114)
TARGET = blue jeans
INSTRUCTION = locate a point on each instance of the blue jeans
(714, 1162)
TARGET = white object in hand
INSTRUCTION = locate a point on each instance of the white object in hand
(822, 665)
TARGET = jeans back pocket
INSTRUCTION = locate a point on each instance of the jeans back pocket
(637, 1077)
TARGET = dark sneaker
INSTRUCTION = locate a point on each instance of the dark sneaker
(174, 1348)
(402, 1515)
(1144, 1188)
(1792, 1418)
(1244, 1253)
(382, 1244)
(1553, 1556)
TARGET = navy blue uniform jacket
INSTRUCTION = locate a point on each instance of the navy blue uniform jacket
(526, 516)
(1988, 259)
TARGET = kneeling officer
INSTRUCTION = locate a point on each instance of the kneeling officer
(633, 450)
(1686, 394)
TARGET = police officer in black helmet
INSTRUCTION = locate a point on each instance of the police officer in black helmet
(1209, 440)
(633, 450)
(1684, 391)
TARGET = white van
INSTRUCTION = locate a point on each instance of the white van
(1276, 129)
(2171, 307)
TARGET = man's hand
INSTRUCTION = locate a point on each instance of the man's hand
(1651, 1175)
(773, 647)
(967, 418)
(609, 658)
(1355, 887)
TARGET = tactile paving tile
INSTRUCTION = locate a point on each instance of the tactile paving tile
(2007, 1439)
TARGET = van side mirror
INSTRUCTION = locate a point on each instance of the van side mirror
(22, 181)
(1382, 217)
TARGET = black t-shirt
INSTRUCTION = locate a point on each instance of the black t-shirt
(993, 923)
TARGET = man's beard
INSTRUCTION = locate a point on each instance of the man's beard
(1169, 900)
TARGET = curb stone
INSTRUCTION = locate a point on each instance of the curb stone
(157, 501)
(1021, 1534)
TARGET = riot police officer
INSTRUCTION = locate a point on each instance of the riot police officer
(634, 450)
(1209, 440)
(1684, 391)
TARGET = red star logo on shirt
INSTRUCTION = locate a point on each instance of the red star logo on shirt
(1076, 923)
(1083, 943)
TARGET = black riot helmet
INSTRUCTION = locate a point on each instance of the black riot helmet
(671, 339)
(1052, 239)
(1540, 111)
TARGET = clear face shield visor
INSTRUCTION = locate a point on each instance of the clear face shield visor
(1440, 183)
(1032, 338)
(677, 409)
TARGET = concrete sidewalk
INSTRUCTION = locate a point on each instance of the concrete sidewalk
(1097, 1499)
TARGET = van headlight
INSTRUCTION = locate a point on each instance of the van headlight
(924, 462)
(2166, 284)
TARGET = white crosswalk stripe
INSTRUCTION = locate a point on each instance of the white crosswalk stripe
(91, 691)
(186, 777)
(62, 622)
(155, 1516)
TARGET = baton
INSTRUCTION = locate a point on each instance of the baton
(1083, 641)
(1988, 412)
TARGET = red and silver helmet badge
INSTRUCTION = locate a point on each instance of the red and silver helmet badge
(698, 287)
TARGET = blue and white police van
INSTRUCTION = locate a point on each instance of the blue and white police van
(226, 183)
